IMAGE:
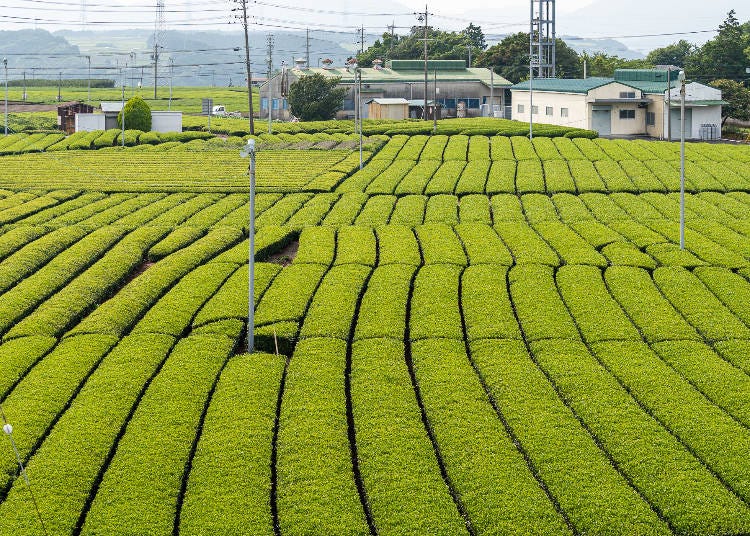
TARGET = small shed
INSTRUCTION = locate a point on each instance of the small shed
(66, 116)
(383, 108)
(111, 110)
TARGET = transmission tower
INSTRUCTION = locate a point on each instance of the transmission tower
(542, 38)
(159, 37)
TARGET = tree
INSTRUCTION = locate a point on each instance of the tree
(738, 97)
(442, 45)
(510, 58)
(676, 54)
(137, 115)
(724, 55)
(601, 64)
(316, 98)
(475, 35)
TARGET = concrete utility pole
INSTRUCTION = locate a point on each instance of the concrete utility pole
(5, 66)
(249, 151)
(243, 19)
(682, 159)
(669, 104)
(88, 95)
(269, 43)
(307, 49)
(422, 17)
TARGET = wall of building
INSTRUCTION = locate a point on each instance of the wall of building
(658, 107)
(450, 93)
(578, 112)
(700, 114)
(621, 126)
(386, 111)
(162, 121)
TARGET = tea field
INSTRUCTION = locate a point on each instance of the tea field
(476, 335)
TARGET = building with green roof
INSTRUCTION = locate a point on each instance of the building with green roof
(460, 90)
(635, 102)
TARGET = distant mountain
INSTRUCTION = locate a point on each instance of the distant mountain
(200, 58)
(608, 18)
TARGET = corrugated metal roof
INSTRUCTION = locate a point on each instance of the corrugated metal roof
(565, 85)
(677, 104)
(578, 85)
(385, 75)
(432, 65)
(387, 101)
(651, 88)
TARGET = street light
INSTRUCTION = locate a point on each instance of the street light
(681, 78)
(249, 150)
(5, 65)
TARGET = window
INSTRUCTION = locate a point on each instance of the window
(548, 110)
(627, 94)
(650, 119)
(348, 104)
(264, 103)
(627, 114)
(563, 112)
(472, 104)
(520, 108)
(535, 110)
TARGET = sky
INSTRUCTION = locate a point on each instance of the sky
(584, 18)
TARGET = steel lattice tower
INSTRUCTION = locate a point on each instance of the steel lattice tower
(542, 38)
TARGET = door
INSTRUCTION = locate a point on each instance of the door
(602, 122)
(676, 123)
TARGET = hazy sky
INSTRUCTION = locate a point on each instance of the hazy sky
(585, 18)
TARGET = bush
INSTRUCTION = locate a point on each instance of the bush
(151, 138)
(589, 134)
(137, 115)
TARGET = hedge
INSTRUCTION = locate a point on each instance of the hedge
(147, 470)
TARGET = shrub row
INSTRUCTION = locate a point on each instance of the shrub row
(64, 475)
(94, 285)
(37, 401)
(382, 313)
(30, 292)
(230, 477)
(577, 473)
(435, 304)
(118, 314)
(657, 464)
(156, 446)
(333, 307)
(397, 244)
(316, 490)
(475, 447)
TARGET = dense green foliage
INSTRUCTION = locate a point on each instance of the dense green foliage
(136, 115)
(315, 98)
(475, 332)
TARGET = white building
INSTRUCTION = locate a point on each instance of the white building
(634, 102)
